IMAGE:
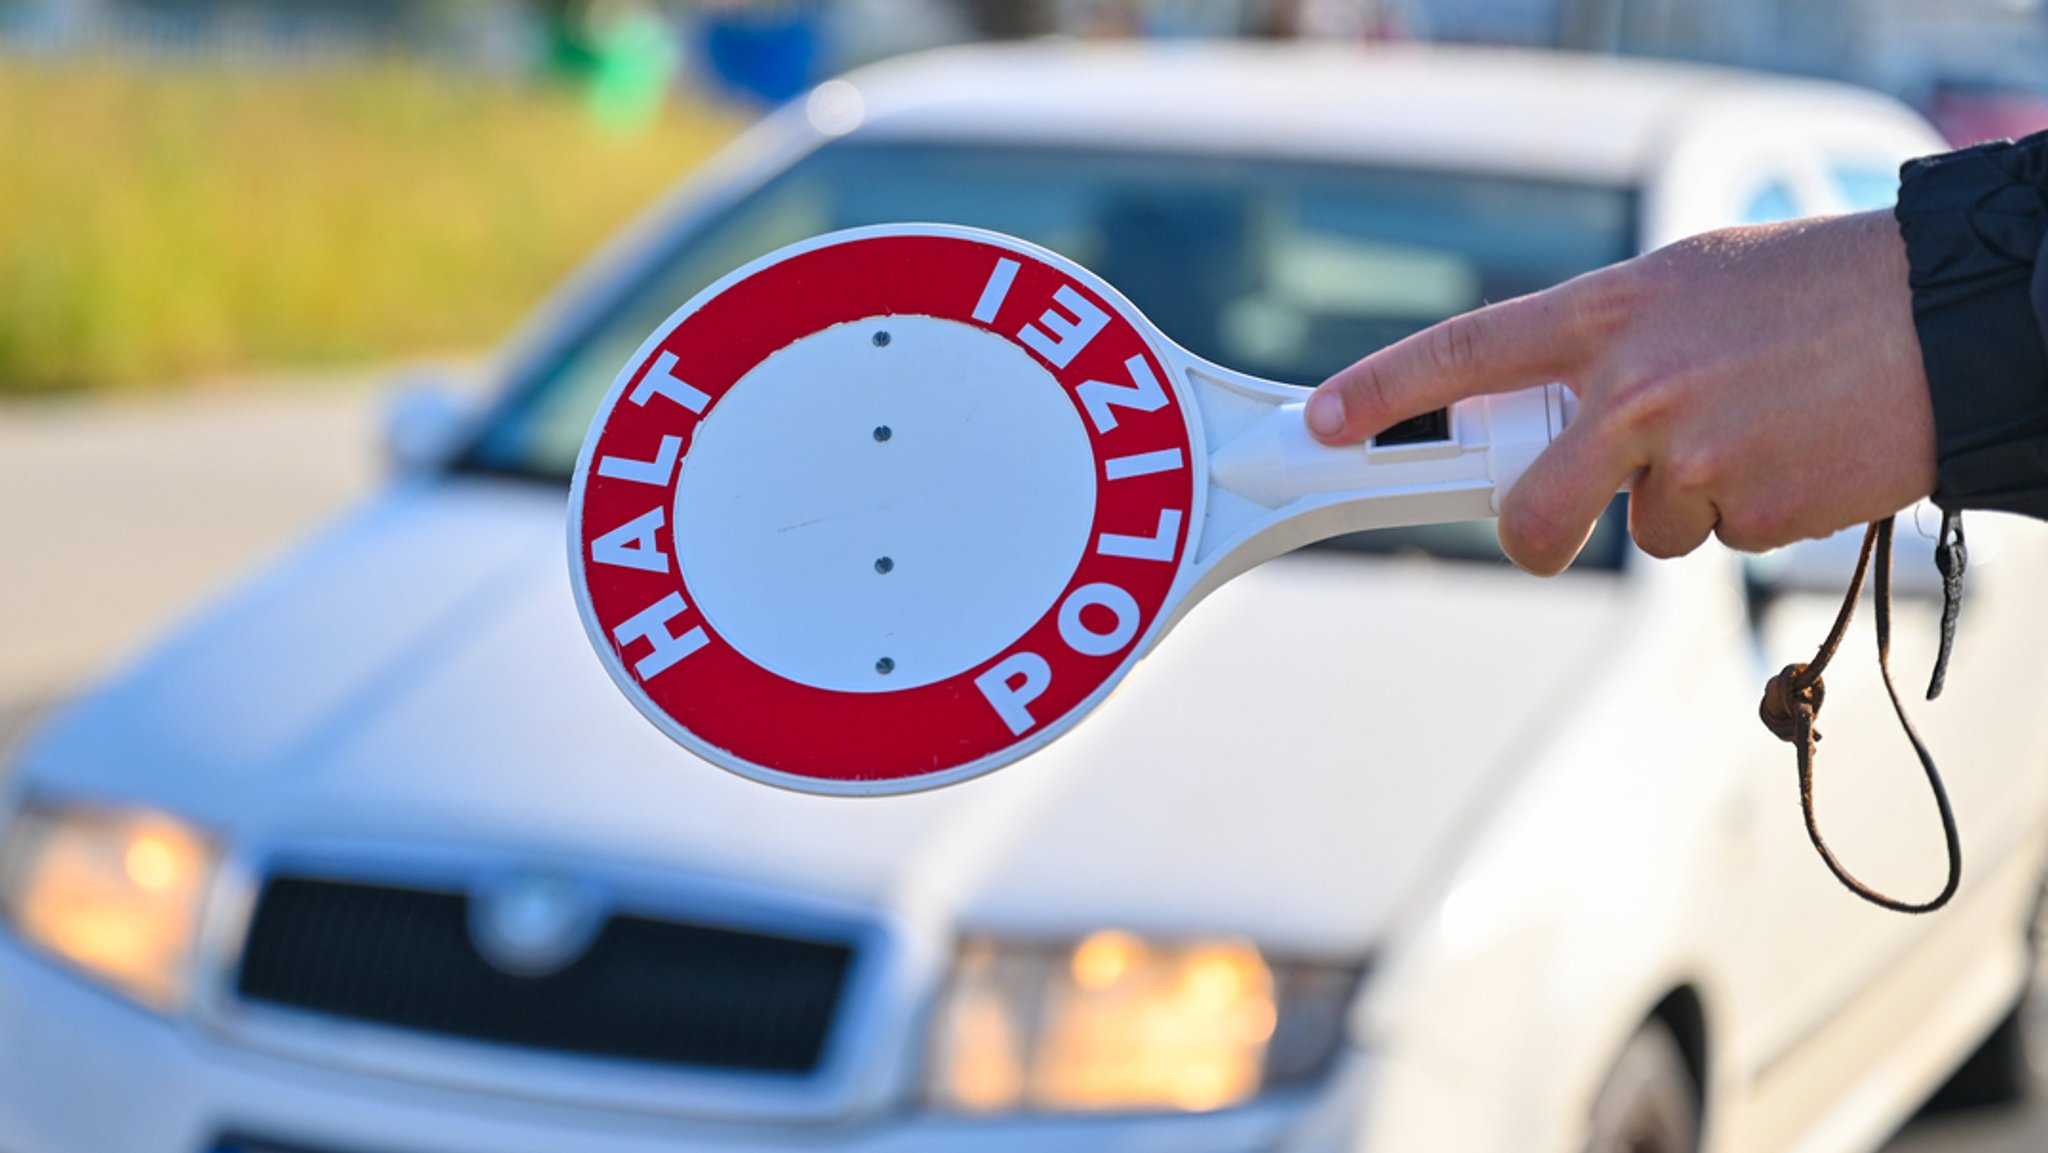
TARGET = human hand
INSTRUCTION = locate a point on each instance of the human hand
(1760, 384)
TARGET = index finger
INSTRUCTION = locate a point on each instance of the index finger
(1517, 343)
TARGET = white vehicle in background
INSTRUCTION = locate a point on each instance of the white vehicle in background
(1387, 848)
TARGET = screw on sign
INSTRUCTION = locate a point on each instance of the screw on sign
(893, 507)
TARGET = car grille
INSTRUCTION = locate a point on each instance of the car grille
(651, 990)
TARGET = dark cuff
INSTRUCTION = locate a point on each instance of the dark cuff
(1975, 223)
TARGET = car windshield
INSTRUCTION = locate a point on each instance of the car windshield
(1283, 269)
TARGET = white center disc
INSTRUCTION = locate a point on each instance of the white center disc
(885, 504)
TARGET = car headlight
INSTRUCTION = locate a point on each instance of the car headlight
(1117, 1023)
(116, 893)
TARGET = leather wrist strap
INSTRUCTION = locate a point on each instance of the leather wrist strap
(1792, 701)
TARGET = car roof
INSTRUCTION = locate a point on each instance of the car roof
(1570, 116)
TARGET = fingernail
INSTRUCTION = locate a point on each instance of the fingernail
(1325, 413)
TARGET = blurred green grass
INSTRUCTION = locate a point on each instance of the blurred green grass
(166, 223)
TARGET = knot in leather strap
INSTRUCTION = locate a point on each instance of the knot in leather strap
(1788, 703)
(1792, 701)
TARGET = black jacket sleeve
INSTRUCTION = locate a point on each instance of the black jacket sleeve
(1975, 223)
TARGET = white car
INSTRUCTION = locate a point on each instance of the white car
(1388, 847)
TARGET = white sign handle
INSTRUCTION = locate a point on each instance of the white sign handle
(1273, 487)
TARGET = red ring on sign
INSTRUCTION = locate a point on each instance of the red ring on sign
(1146, 478)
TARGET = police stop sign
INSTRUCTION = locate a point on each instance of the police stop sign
(892, 507)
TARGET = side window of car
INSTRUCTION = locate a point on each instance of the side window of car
(1866, 186)
(1772, 203)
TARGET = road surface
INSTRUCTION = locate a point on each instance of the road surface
(117, 519)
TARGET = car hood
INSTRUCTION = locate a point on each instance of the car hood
(1288, 762)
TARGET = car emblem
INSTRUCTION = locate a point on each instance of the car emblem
(532, 925)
